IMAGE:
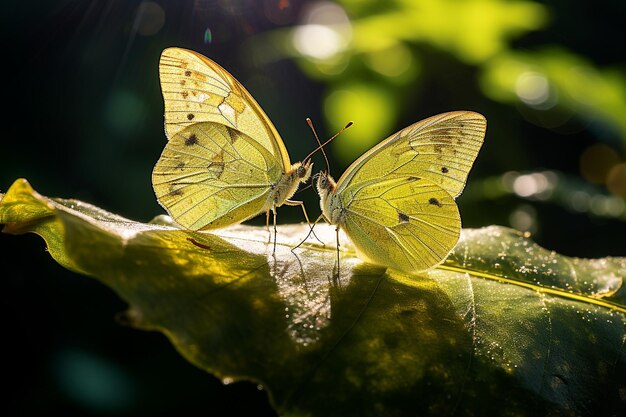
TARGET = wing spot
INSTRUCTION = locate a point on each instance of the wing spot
(187, 73)
(191, 140)
(435, 202)
(444, 170)
(180, 165)
(183, 82)
(190, 116)
(233, 134)
(176, 191)
(402, 218)
(185, 94)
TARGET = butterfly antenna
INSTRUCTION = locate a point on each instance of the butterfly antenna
(304, 188)
(321, 145)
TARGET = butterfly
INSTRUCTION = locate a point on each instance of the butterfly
(397, 201)
(224, 161)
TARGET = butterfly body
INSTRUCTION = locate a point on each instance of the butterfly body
(396, 202)
(288, 183)
(224, 161)
(330, 204)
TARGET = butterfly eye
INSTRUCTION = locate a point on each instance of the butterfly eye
(301, 171)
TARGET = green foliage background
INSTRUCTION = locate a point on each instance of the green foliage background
(85, 121)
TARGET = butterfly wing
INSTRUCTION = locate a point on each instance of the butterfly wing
(210, 176)
(196, 89)
(397, 200)
(407, 223)
(441, 149)
(223, 155)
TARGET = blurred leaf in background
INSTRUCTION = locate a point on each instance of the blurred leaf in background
(370, 54)
(555, 100)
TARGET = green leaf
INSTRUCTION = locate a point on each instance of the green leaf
(504, 327)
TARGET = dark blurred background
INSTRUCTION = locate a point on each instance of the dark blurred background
(83, 118)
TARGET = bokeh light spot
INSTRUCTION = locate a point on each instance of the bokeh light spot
(535, 184)
(325, 32)
(325, 13)
(524, 218)
(372, 110)
(93, 382)
(390, 62)
(599, 205)
(317, 41)
(596, 162)
(615, 206)
(149, 18)
(508, 179)
(532, 88)
(616, 180)
(208, 36)
(580, 201)
(332, 66)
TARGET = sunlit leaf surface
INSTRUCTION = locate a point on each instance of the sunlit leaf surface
(504, 327)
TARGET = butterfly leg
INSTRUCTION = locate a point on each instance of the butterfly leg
(306, 216)
(309, 234)
(337, 233)
(275, 233)
(267, 224)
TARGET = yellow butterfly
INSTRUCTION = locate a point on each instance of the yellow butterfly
(396, 202)
(224, 161)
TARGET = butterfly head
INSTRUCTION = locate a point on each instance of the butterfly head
(325, 183)
(303, 170)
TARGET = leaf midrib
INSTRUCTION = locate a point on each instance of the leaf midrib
(544, 290)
